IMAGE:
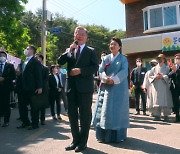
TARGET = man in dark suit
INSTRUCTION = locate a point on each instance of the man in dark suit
(31, 72)
(82, 63)
(45, 78)
(55, 90)
(62, 77)
(7, 75)
(174, 75)
(137, 77)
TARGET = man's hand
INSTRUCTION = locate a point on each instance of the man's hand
(109, 81)
(1, 79)
(73, 46)
(39, 91)
(173, 67)
(75, 71)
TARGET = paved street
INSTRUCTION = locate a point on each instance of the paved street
(144, 136)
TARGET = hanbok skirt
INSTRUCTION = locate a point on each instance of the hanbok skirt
(111, 136)
(106, 135)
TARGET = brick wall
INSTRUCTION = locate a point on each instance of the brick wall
(134, 16)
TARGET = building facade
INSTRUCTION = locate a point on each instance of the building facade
(152, 27)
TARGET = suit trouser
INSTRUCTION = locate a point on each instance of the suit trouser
(64, 99)
(26, 100)
(175, 97)
(138, 92)
(42, 114)
(55, 99)
(79, 106)
(5, 105)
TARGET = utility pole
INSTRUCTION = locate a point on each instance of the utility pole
(43, 40)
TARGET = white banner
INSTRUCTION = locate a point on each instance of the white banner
(13, 60)
(171, 41)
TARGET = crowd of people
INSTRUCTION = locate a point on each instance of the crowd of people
(158, 89)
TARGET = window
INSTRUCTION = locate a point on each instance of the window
(145, 20)
(170, 16)
(162, 17)
(156, 17)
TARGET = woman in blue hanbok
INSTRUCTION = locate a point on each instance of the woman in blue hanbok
(111, 113)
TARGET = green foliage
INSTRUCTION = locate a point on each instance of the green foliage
(22, 28)
(11, 30)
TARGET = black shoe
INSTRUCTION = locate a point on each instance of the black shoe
(80, 148)
(54, 118)
(144, 113)
(59, 117)
(137, 113)
(157, 118)
(166, 119)
(43, 123)
(72, 146)
(33, 127)
(23, 126)
(5, 125)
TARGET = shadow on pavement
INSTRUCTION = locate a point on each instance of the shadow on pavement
(141, 126)
(14, 141)
(147, 120)
(144, 146)
(92, 151)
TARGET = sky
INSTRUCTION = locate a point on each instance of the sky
(108, 13)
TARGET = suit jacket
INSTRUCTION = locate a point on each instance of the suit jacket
(138, 78)
(88, 65)
(53, 87)
(63, 79)
(9, 75)
(45, 77)
(175, 80)
(32, 75)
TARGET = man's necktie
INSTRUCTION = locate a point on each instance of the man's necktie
(78, 53)
(1, 69)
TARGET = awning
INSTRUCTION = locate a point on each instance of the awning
(147, 43)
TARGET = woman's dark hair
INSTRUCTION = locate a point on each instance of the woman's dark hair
(118, 41)
(52, 68)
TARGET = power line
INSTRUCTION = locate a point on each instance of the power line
(69, 7)
(86, 6)
(60, 6)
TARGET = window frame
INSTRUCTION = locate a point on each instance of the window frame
(162, 6)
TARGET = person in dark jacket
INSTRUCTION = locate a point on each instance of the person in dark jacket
(174, 75)
(137, 77)
(55, 92)
(82, 63)
(7, 75)
(45, 78)
(62, 77)
(32, 83)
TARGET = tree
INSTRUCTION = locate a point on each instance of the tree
(98, 36)
(12, 31)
